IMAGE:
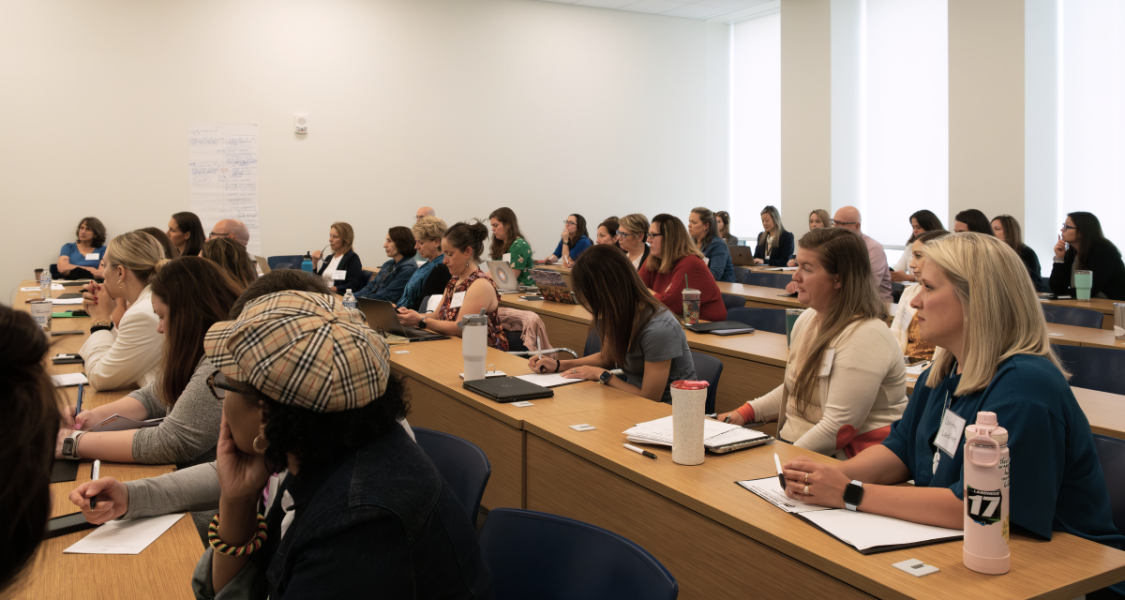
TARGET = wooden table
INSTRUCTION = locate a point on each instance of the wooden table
(1101, 305)
(721, 541)
(438, 401)
(1084, 336)
(753, 364)
(163, 570)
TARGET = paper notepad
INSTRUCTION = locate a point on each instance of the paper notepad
(717, 436)
(548, 380)
(69, 379)
(67, 301)
(120, 423)
(867, 533)
(124, 537)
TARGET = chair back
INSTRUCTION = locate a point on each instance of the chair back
(770, 280)
(740, 273)
(733, 301)
(709, 369)
(762, 319)
(285, 262)
(1111, 454)
(1094, 368)
(463, 465)
(1072, 315)
(548, 557)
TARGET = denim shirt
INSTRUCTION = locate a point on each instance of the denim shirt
(380, 522)
(390, 280)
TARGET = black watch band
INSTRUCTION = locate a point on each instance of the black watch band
(853, 495)
(97, 328)
(422, 323)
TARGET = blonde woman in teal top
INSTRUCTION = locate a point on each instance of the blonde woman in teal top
(507, 241)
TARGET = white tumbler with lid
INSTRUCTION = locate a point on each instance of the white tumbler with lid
(474, 344)
(689, 400)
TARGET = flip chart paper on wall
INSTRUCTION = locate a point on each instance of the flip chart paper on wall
(223, 176)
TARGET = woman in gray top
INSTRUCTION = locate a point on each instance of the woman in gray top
(189, 294)
(638, 334)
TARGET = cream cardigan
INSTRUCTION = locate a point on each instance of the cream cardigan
(130, 353)
(864, 392)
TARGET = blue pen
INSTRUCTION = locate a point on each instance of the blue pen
(78, 408)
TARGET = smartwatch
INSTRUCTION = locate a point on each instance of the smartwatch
(70, 445)
(605, 377)
(853, 495)
(102, 326)
(422, 324)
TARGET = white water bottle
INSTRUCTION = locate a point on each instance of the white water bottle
(349, 300)
(45, 284)
(474, 345)
(987, 491)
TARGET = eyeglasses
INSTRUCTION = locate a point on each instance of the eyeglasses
(621, 235)
(655, 235)
(1067, 226)
(570, 223)
(836, 223)
(220, 235)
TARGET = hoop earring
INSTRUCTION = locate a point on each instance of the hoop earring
(260, 450)
(121, 282)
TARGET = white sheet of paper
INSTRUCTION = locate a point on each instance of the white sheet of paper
(124, 537)
(435, 301)
(35, 288)
(864, 530)
(69, 379)
(507, 257)
(769, 489)
(548, 380)
(67, 302)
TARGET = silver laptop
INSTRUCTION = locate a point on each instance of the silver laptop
(382, 317)
(503, 276)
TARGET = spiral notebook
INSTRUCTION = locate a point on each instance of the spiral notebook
(718, 437)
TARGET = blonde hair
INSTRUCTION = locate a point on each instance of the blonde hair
(844, 254)
(822, 214)
(428, 229)
(675, 245)
(137, 251)
(1002, 313)
(635, 223)
(345, 233)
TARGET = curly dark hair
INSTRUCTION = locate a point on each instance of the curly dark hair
(320, 439)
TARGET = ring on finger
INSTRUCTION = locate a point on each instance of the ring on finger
(806, 492)
(806, 477)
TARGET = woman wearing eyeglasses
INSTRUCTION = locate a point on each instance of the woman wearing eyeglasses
(575, 239)
(1082, 247)
(632, 232)
(675, 263)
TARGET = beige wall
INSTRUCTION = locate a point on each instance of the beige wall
(806, 110)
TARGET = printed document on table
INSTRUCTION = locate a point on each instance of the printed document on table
(127, 536)
(66, 301)
(548, 380)
(769, 489)
(69, 379)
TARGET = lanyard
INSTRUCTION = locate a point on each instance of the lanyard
(945, 406)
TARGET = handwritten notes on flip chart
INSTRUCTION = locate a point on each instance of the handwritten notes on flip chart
(223, 175)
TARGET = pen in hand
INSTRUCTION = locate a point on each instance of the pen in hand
(94, 477)
(780, 473)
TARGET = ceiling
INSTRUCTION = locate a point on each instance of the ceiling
(688, 9)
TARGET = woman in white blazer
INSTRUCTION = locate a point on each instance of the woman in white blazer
(128, 353)
(905, 327)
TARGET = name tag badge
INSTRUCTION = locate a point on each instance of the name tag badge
(949, 436)
(458, 300)
(706, 261)
(826, 366)
(93, 256)
(508, 258)
(339, 275)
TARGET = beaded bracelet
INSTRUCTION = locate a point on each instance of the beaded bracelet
(220, 546)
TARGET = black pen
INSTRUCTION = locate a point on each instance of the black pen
(639, 451)
(94, 477)
(81, 391)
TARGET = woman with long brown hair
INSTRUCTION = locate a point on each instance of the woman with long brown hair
(185, 231)
(509, 245)
(231, 256)
(674, 262)
(638, 334)
(189, 294)
(703, 228)
(1007, 229)
(31, 419)
(845, 382)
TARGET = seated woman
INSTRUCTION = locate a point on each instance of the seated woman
(701, 227)
(432, 277)
(82, 258)
(906, 325)
(189, 295)
(818, 219)
(638, 334)
(127, 353)
(509, 245)
(469, 289)
(674, 257)
(231, 256)
(1007, 229)
(632, 234)
(775, 244)
(344, 268)
(722, 219)
(1088, 250)
(607, 231)
(28, 431)
(971, 220)
(920, 222)
(369, 499)
(845, 382)
(391, 279)
(185, 231)
(994, 354)
(575, 239)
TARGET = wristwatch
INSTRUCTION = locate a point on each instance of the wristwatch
(853, 495)
(422, 324)
(70, 445)
(101, 326)
(605, 377)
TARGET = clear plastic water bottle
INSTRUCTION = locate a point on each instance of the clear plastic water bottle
(45, 284)
(349, 300)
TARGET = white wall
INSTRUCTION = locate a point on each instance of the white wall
(465, 105)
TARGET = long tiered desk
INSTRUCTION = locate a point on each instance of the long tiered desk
(163, 570)
(1097, 304)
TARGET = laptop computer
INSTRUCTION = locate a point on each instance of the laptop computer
(727, 327)
(503, 276)
(508, 389)
(741, 256)
(382, 317)
(553, 285)
(263, 264)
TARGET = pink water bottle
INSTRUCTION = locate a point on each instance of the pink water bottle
(987, 491)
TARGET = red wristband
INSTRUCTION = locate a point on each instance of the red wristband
(746, 412)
